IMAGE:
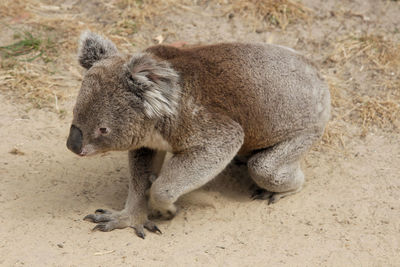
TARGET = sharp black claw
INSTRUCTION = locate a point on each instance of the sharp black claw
(89, 218)
(139, 234)
(262, 194)
(153, 229)
(156, 229)
(272, 199)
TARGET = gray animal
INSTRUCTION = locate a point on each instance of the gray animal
(203, 104)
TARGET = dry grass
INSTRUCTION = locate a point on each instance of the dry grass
(374, 103)
(380, 112)
(377, 52)
(27, 69)
(379, 59)
(35, 58)
(13, 9)
(37, 66)
(263, 13)
(268, 12)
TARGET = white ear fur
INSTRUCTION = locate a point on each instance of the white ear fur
(159, 84)
(93, 47)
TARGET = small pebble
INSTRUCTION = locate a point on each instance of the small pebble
(16, 151)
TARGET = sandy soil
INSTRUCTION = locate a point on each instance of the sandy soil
(348, 213)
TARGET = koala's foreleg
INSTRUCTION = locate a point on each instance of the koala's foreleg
(135, 212)
(194, 167)
(277, 171)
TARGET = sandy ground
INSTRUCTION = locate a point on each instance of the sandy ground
(348, 213)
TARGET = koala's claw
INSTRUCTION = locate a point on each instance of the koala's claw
(108, 221)
(100, 215)
(152, 227)
(139, 232)
(263, 194)
(149, 225)
(272, 196)
(97, 218)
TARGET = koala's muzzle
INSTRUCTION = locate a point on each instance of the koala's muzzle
(74, 142)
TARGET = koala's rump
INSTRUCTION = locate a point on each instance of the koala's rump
(273, 92)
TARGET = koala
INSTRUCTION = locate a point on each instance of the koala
(205, 105)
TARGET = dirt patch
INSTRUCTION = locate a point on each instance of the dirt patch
(348, 212)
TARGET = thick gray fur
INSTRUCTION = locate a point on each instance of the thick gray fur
(205, 105)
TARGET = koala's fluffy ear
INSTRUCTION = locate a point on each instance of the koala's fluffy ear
(156, 83)
(93, 47)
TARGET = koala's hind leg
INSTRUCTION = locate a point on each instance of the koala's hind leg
(276, 170)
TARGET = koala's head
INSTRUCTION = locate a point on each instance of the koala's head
(121, 97)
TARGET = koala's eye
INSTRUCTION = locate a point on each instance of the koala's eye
(104, 130)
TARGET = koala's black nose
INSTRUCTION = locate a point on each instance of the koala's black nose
(74, 142)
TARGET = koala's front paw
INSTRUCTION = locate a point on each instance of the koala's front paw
(165, 212)
(110, 220)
